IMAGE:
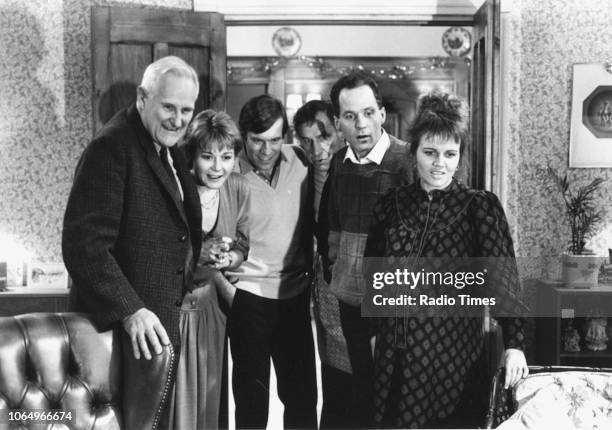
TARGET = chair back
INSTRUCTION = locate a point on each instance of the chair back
(62, 362)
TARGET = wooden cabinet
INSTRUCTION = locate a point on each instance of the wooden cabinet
(22, 300)
(557, 307)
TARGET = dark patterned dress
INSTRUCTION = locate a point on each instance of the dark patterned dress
(430, 372)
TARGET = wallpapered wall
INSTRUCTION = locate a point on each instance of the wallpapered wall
(549, 38)
(45, 113)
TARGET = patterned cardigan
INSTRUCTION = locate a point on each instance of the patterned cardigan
(349, 196)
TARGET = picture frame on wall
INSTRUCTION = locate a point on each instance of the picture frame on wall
(591, 116)
(47, 275)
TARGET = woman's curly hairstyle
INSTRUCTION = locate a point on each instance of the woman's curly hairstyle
(441, 115)
(209, 128)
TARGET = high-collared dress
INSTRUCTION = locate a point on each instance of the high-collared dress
(429, 371)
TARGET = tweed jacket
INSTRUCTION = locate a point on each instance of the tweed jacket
(127, 234)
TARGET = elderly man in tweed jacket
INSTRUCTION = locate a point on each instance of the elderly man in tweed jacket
(132, 227)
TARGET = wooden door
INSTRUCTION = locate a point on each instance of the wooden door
(484, 160)
(484, 154)
(126, 40)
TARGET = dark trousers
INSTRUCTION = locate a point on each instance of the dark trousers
(336, 387)
(356, 332)
(261, 328)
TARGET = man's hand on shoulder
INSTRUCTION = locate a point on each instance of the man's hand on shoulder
(143, 326)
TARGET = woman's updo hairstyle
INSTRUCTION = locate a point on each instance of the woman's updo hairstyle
(443, 116)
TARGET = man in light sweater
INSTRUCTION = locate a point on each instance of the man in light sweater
(360, 173)
(270, 312)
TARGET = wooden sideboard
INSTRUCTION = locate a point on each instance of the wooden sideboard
(22, 300)
(562, 306)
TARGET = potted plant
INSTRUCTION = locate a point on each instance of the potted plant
(580, 267)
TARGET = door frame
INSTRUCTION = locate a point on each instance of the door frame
(492, 156)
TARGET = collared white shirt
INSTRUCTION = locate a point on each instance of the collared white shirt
(375, 155)
(171, 161)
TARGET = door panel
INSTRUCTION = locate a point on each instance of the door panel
(128, 61)
(155, 25)
(476, 168)
(126, 40)
(200, 60)
(484, 99)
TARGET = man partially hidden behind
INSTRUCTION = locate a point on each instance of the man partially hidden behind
(360, 173)
(132, 227)
(314, 127)
(270, 313)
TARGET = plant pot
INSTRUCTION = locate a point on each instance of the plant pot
(580, 271)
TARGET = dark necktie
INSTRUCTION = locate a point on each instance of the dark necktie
(188, 272)
(163, 155)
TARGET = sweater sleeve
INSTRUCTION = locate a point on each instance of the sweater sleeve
(242, 220)
(328, 226)
(494, 243)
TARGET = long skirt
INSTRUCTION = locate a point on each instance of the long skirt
(197, 390)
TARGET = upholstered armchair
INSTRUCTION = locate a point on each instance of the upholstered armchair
(60, 361)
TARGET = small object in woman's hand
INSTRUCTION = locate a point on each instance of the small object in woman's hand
(220, 251)
(223, 261)
(221, 245)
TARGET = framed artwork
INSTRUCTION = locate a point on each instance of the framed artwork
(47, 275)
(591, 121)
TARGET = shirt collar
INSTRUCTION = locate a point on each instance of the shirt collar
(375, 155)
(244, 165)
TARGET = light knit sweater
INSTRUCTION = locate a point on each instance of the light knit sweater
(280, 221)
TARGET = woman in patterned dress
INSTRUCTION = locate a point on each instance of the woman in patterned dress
(211, 144)
(430, 371)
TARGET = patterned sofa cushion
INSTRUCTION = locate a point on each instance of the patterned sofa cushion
(566, 400)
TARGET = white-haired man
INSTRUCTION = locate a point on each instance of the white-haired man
(132, 227)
